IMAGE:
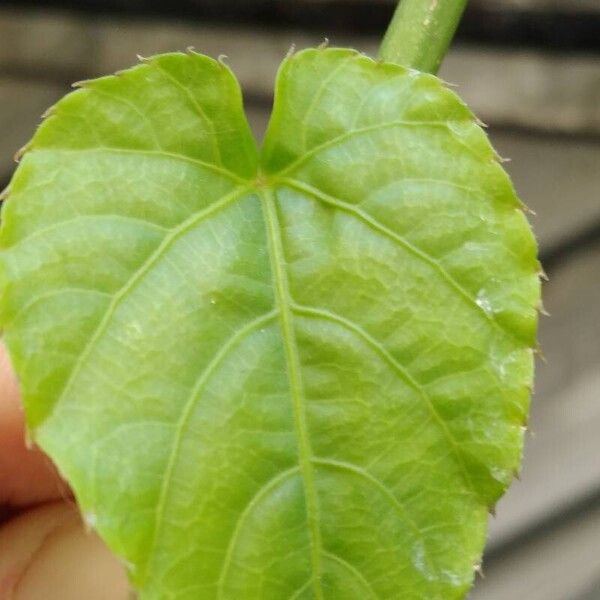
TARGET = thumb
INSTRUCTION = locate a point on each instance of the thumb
(47, 554)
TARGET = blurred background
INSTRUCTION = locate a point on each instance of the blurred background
(531, 70)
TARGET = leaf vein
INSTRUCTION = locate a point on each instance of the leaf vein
(400, 241)
(317, 96)
(24, 309)
(186, 413)
(383, 352)
(140, 152)
(258, 496)
(80, 217)
(139, 274)
(349, 135)
(363, 473)
(295, 595)
(200, 111)
(97, 90)
(355, 572)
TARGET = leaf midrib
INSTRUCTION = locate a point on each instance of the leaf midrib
(305, 456)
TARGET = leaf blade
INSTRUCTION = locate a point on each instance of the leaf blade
(315, 385)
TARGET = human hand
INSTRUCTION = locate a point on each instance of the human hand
(46, 553)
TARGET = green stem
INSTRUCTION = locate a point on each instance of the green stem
(420, 33)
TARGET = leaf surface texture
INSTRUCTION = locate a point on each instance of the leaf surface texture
(300, 372)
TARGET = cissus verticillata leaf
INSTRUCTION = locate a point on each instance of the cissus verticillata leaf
(295, 373)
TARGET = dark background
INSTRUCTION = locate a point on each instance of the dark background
(531, 70)
(567, 25)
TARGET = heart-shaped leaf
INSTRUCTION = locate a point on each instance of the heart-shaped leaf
(295, 374)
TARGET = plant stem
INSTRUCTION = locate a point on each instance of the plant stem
(420, 33)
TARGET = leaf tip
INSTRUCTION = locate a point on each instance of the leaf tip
(449, 83)
(222, 59)
(526, 209)
(81, 84)
(479, 570)
(324, 44)
(541, 309)
(29, 438)
(49, 112)
(291, 51)
(90, 521)
(20, 152)
(537, 350)
(130, 568)
(492, 510)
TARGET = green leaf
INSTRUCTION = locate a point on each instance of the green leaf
(299, 374)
